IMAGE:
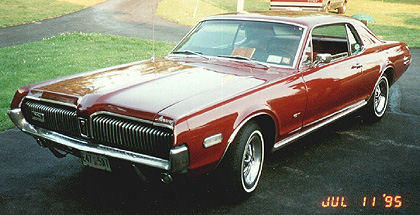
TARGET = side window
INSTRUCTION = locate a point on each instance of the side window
(355, 45)
(330, 39)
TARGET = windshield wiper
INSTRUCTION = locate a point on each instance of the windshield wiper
(238, 57)
(190, 52)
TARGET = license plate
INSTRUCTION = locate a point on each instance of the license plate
(95, 161)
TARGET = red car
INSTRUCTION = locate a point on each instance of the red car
(320, 5)
(236, 87)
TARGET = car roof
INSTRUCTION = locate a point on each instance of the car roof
(302, 18)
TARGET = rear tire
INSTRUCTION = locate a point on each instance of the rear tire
(378, 102)
(244, 160)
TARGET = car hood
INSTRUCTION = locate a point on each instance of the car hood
(145, 89)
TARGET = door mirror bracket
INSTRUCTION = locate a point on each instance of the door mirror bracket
(322, 59)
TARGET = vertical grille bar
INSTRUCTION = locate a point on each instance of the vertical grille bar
(131, 135)
(59, 118)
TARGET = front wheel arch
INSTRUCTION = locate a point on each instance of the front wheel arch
(265, 121)
(389, 72)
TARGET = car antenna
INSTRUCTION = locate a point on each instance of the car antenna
(153, 33)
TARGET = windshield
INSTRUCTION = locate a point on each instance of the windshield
(266, 42)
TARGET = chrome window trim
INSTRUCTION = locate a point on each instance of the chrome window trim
(50, 101)
(257, 19)
(347, 39)
(186, 35)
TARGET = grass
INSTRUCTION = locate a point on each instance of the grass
(15, 12)
(189, 12)
(400, 1)
(250, 5)
(64, 55)
(394, 19)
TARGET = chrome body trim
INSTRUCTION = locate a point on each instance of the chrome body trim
(80, 128)
(406, 60)
(379, 78)
(50, 101)
(178, 160)
(233, 135)
(325, 120)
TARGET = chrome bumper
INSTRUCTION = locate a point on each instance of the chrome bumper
(178, 157)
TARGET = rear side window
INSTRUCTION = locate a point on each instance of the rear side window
(330, 31)
(355, 45)
(330, 39)
(366, 37)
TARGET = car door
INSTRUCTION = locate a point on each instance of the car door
(334, 85)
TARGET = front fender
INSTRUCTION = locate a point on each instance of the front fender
(226, 120)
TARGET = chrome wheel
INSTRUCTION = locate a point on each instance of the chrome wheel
(252, 161)
(380, 97)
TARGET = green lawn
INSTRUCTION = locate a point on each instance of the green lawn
(400, 1)
(15, 12)
(189, 12)
(394, 19)
(250, 5)
(64, 55)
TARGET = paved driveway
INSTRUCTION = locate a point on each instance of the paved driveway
(131, 18)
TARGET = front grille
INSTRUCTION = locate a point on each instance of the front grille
(131, 135)
(59, 118)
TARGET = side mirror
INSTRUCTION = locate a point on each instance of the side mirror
(322, 58)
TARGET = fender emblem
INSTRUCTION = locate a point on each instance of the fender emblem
(37, 116)
(296, 115)
(167, 121)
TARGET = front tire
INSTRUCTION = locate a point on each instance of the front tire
(378, 102)
(244, 160)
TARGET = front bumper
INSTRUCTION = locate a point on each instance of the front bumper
(178, 157)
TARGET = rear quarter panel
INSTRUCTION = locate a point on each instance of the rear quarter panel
(377, 59)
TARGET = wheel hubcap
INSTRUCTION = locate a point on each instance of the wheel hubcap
(252, 161)
(381, 97)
